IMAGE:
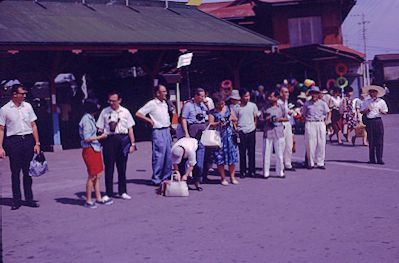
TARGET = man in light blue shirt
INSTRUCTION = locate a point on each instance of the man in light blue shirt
(193, 119)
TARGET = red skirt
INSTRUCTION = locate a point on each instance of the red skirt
(93, 161)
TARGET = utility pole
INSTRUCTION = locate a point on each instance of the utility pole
(363, 23)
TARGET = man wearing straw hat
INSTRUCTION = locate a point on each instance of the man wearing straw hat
(315, 112)
(373, 108)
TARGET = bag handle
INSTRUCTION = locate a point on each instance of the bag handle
(176, 174)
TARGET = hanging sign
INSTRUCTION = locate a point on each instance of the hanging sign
(184, 60)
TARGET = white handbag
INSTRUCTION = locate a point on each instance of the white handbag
(175, 187)
(211, 138)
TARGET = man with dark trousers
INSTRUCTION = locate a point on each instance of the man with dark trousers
(373, 108)
(117, 123)
(247, 113)
(193, 119)
(20, 143)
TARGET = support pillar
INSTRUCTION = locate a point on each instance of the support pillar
(57, 146)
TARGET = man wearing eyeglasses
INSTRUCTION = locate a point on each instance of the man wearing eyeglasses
(193, 118)
(117, 123)
(21, 141)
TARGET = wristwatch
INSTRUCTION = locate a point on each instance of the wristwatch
(38, 143)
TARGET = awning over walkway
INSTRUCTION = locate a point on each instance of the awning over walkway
(318, 52)
(111, 25)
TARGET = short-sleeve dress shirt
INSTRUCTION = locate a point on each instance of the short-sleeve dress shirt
(158, 111)
(122, 116)
(245, 115)
(274, 130)
(17, 120)
(376, 107)
(315, 110)
(191, 110)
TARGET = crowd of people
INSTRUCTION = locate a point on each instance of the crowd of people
(235, 114)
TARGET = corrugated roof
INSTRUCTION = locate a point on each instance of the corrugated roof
(386, 57)
(319, 50)
(225, 11)
(145, 23)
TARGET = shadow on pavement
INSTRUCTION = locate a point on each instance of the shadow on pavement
(5, 201)
(70, 201)
(346, 161)
(139, 181)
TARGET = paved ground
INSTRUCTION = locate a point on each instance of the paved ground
(348, 213)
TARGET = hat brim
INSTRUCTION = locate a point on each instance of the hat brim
(235, 98)
(380, 90)
(314, 91)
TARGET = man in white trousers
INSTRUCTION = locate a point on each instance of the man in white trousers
(273, 115)
(315, 113)
(288, 135)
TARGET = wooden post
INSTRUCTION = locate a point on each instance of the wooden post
(57, 146)
(236, 75)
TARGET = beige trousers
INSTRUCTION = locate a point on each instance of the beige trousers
(315, 140)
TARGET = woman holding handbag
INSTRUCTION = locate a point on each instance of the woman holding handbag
(222, 118)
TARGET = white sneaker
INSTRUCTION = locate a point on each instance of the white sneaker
(125, 196)
(224, 182)
(234, 181)
(266, 176)
(105, 200)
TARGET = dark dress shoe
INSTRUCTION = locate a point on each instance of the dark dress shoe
(380, 162)
(371, 162)
(199, 188)
(32, 204)
(242, 176)
(309, 167)
(292, 169)
(15, 205)
(321, 167)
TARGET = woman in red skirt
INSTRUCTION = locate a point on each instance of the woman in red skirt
(92, 154)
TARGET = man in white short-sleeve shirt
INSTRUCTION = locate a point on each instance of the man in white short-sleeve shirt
(373, 108)
(117, 123)
(158, 118)
(20, 143)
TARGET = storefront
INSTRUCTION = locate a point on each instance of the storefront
(112, 45)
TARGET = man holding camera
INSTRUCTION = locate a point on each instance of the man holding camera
(194, 123)
(158, 118)
(117, 123)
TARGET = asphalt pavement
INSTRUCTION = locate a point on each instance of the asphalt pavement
(347, 213)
